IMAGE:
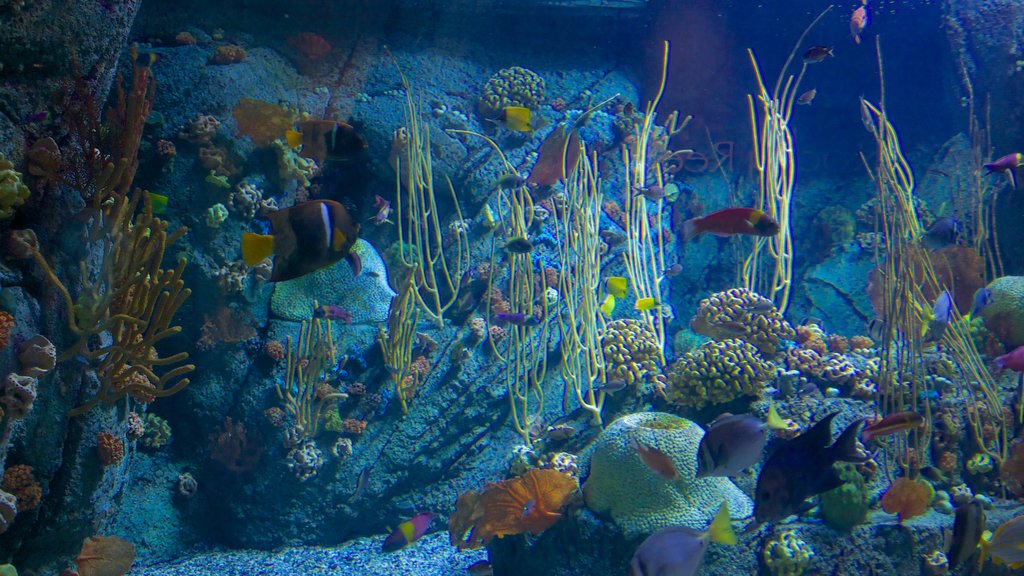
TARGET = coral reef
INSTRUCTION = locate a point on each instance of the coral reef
(908, 498)
(787, 555)
(716, 373)
(515, 86)
(740, 313)
(623, 487)
(20, 482)
(13, 192)
(632, 354)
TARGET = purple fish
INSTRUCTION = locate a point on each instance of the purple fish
(331, 312)
(408, 532)
(1008, 164)
(383, 208)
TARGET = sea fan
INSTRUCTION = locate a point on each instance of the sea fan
(530, 503)
(908, 498)
(105, 556)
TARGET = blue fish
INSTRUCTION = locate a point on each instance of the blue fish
(942, 314)
(982, 298)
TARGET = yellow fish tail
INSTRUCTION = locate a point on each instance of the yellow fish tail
(775, 422)
(293, 137)
(721, 529)
(256, 247)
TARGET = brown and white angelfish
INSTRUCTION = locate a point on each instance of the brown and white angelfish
(734, 443)
(859, 20)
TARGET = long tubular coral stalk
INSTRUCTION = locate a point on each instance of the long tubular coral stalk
(397, 343)
(578, 221)
(645, 248)
(305, 368)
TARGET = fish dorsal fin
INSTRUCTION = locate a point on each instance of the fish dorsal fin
(293, 137)
(720, 418)
(820, 435)
(720, 530)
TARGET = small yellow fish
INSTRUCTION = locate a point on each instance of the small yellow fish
(517, 118)
(616, 286)
(645, 304)
(608, 306)
(158, 201)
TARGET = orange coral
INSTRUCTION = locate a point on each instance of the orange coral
(1012, 470)
(228, 54)
(105, 556)
(6, 326)
(838, 344)
(185, 39)
(861, 343)
(274, 350)
(262, 121)
(907, 498)
(110, 448)
(530, 503)
(21, 483)
(310, 45)
(353, 426)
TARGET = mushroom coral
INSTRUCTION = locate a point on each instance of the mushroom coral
(529, 503)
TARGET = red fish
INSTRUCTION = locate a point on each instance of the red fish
(1008, 164)
(729, 222)
(332, 312)
(408, 532)
(859, 21)
(892, 424)
(655, 460)
(1012, 361)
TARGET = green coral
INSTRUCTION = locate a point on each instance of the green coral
(787, 555)
(333, 421)
(158, 432)
(638, 500)
(716, 373)
(632, 354)
(513, 86)
(846, 506)
(367, 297)
(740, 313)
(13, 191)
(1004, 317)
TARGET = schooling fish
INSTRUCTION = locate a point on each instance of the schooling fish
(1012, 361)
(655, 460)
(324, 140)
(734, 443)
(1006, 546)
(802, 467)
(968, 526)
(942, 314)
(678, 550)
(408, 532)
(892, 424)
(306, 237)
(859, 21)
(943, 232)
(806, 98)
(1008, 164)
(816, 54)
(729, 222)
(982, 298)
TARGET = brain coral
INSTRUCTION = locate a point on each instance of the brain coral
(639, 501)
(740, 313)
(1004, 317)
(716, 373)
(367, 297)
(632, 354)
(513, 86)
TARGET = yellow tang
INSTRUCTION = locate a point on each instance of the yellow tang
(517, 118)
(645, 304)
(616, 286)
(608, 306)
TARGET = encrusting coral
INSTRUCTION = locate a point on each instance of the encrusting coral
(638, 500)
(716, 373)
(740, 313)
(632, 354)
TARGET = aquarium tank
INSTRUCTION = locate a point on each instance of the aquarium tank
(511, 287)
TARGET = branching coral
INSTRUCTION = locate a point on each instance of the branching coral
(514, 86)
(718, 372)
(306, 368)
(632, 354)
(132, 301)
(741, 313)
(530, 503)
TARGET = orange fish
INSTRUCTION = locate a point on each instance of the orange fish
(655, 459)
(859, 21)
(730, 222)
(892, 424)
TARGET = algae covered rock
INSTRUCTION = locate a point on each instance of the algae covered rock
(13, 191)
(1004, 317)
(846, 506)
(640, 502)
(367, 297)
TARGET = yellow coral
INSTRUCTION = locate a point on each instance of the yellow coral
(716, 373)
(513, 86)
(632, 354)
(13, 192)
(740, 313)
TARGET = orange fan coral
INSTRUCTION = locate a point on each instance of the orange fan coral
(310, 45)
(105, 556)
(907, 498)
(262, 121)
(530, 503)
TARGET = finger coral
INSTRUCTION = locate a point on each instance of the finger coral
(716, 373)
(530, 503)
(740, 313)
(632, 354)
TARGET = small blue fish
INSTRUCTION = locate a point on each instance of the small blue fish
(982, 298)
(942, 314)
(945, 231)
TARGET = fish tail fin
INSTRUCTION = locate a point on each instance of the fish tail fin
(1013, 178)
(690, 229)
(293, 137)
(775, 422)
(256, 247)
(982, 552)
(721, 529)
(845, 447)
